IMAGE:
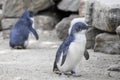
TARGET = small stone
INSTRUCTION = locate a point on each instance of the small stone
(114, 68)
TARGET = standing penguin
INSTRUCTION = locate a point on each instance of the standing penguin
(71, 50)
(20, 32)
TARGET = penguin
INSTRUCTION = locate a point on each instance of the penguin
(71, 50)
(20, 31)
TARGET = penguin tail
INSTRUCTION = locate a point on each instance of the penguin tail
(55, 68)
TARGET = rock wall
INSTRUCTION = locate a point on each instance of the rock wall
(15, 8)
(104, 15)
(63, 26)
(91, 34)
(107, 43)
(45, 22)
(69, 5)
(7, 25)
(82, 8)
(1, 15)
(47, 13)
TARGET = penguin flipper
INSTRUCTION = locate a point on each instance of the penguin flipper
(63, 59)
(64, 56)
(86, 54)
(34, 33)
(63, 49)
(55, 68)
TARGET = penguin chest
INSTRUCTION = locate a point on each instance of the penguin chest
(76, 51)
(77, 47)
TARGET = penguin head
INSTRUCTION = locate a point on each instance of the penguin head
(26, 17)
(78, 27)
(26, 14)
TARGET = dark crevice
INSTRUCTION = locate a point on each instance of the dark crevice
(54, 11)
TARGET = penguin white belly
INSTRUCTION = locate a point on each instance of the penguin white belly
(26, 43)
(75, 53)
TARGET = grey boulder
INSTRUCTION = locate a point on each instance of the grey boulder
(107, 43)
(63, 26)
(69, 5)
(15, 8)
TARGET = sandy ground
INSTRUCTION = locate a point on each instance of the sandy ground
(36, 62)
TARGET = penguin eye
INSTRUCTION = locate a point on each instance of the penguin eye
(79, 29)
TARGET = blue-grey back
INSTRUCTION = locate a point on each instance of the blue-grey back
(20, 31)
(64, 47)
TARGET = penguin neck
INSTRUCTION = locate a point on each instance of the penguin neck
(71, 37)
(79, 37)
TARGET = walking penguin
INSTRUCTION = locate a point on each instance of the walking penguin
(20, 32)
(71, 50)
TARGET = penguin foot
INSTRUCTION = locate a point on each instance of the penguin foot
(73, 72)
(57, 71)
(19, 47)
(64, 75)
(76, 75)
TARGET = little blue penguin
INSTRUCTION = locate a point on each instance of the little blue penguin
(20, 32)
(71, 50)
